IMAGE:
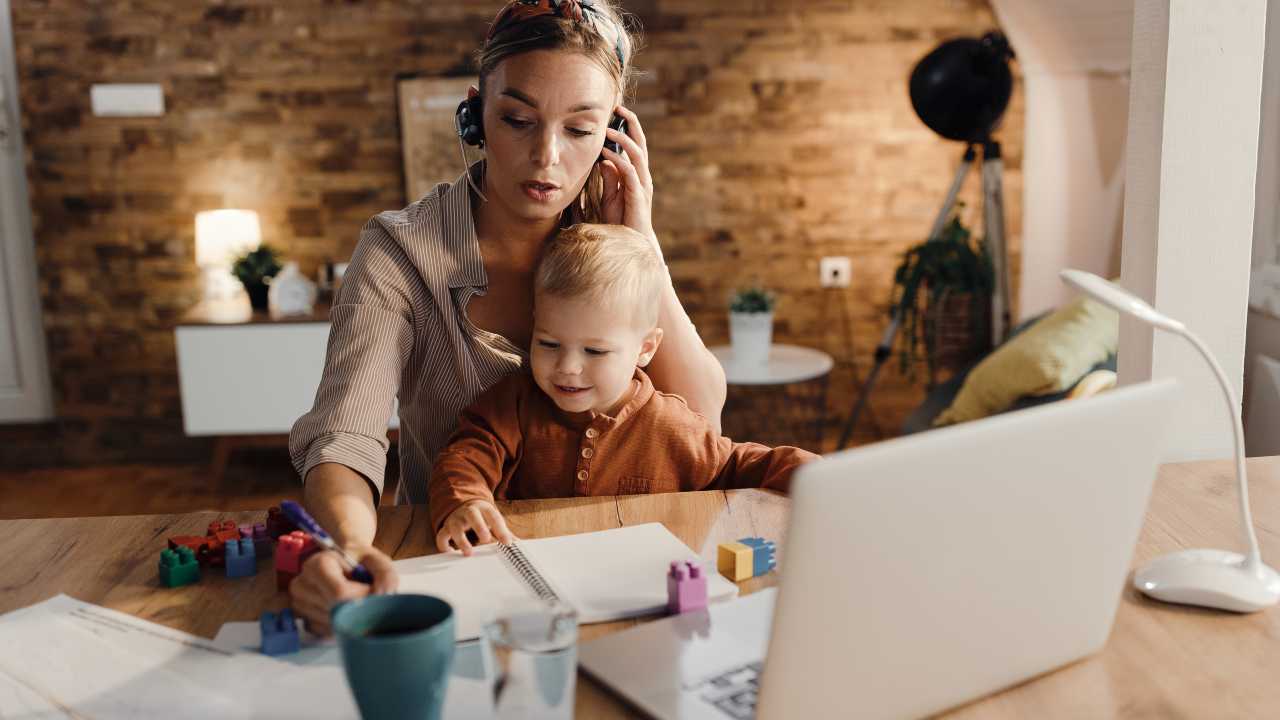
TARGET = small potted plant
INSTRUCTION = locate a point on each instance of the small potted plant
(255, 269)
(751, 324)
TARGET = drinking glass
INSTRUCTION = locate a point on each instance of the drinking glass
(535, 651)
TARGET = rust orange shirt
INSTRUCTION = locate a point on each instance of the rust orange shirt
(514, 443)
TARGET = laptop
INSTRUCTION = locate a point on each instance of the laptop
(920, 573)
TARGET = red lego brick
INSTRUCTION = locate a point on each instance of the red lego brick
(212, 553)
(189, 541)
(218, 526)
(224, 530)
(292, 550)
(209, 551)
(283, 579)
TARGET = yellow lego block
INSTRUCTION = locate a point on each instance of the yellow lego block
(733, 560)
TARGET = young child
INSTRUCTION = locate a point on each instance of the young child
(583, 418)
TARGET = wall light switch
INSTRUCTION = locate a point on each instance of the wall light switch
(835, 271)
(127, 100)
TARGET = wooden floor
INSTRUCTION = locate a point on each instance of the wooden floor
(255, 478)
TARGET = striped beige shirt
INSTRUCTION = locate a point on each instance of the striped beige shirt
(399, 327)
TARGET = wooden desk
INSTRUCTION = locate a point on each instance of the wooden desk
(1161, 661)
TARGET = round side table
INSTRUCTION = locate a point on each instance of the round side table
(780, 402)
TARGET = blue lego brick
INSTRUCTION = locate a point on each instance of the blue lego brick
(763, 556)
(242, 558)
(279, 633)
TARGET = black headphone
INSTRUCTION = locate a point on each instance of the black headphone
(468, 123)
(468, 120)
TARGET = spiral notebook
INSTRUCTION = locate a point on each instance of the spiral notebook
(606, 575)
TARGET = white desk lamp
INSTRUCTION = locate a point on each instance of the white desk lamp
(1212, 578)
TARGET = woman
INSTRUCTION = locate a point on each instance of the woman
(436, 305)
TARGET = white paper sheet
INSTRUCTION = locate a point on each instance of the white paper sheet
(63, 663)
(319, 662)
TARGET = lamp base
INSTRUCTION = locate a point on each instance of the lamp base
(1209, 578)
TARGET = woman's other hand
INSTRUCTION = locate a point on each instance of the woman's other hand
(479, 516)
(324, 583)
(628, 186)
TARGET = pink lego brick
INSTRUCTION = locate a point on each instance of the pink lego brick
(686, 587)
(292, 550)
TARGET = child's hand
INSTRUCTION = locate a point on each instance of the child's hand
(480, 516)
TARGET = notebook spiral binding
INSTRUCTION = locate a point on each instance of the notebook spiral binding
(519, 562)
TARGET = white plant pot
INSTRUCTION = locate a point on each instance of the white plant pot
(750, 334)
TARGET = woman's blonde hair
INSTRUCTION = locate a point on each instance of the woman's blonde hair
(603, 31)
(606, 264)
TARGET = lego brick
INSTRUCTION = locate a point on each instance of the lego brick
(734, 560)
(292, 550)
(277, 524)
(686, 587)
(178, 567)
(190, 541)
(212, 553)
(261, 540)
(764, 555)
(283, 579)
(242, 560)
(208, 551)
(223, 530)
(279, 633)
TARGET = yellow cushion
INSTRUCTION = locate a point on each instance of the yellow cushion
(1048, 357)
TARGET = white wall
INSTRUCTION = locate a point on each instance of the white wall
(1194, 118)
(1074, 59)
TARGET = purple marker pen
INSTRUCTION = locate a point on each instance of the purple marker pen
(308, 525)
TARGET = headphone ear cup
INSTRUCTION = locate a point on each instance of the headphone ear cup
(468, 121)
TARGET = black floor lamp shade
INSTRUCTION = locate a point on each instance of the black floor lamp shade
(961, 89)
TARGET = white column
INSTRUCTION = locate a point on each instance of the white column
(1189, 201)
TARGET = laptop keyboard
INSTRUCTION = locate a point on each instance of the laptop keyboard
(733, 692)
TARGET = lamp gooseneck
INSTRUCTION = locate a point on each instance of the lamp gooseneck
(1253, 560)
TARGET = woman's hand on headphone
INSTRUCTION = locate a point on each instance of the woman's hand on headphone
(628, 186)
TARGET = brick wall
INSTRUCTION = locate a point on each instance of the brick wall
(779, 132)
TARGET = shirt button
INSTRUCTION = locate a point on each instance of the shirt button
(592, 432)
(582, 475)
(587, 453)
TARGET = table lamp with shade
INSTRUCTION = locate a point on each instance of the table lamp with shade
(221, 237)
(1210, 578)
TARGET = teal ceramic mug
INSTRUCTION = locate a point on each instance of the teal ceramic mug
(397, 651)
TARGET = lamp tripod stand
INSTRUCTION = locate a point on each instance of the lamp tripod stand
(993, 228)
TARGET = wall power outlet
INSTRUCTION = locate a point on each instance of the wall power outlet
(835, 271)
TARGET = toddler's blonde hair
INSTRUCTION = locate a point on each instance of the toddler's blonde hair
(608, 264)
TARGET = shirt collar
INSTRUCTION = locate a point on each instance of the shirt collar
(459, 232)
(602, 422)
(637, 401)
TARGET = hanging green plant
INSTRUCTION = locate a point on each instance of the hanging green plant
(948, 264)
